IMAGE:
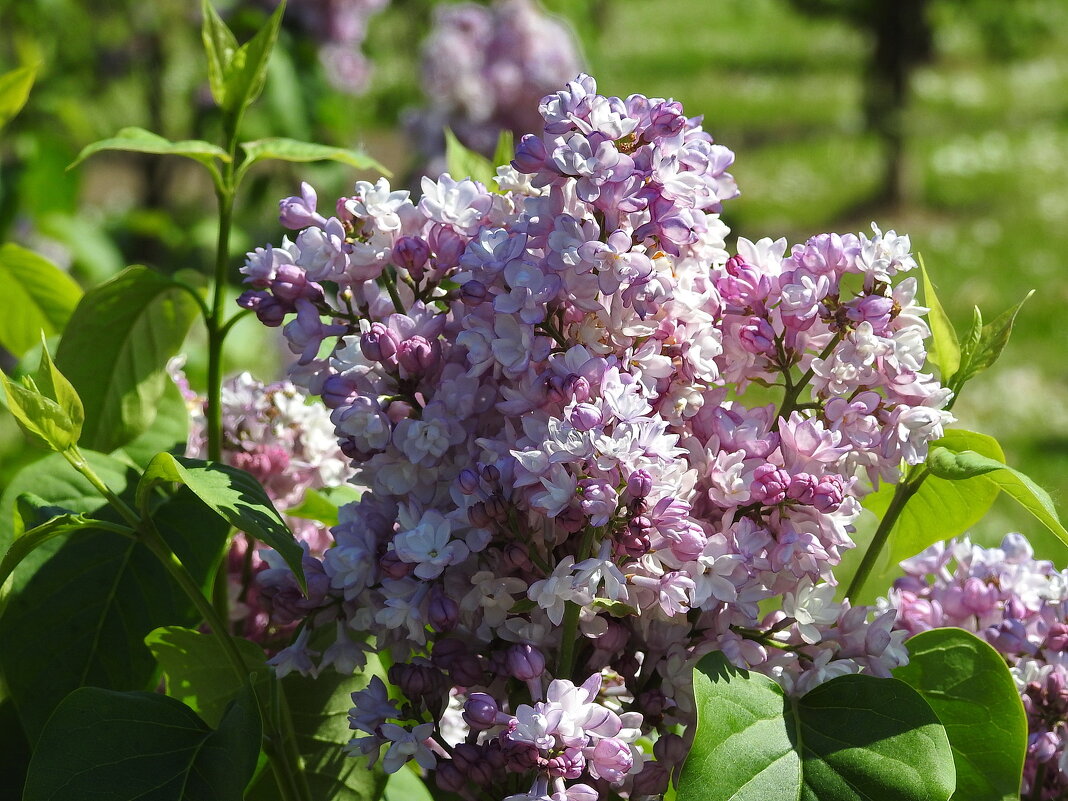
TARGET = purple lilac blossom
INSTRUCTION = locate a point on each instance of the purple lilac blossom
(550, 414)
(485, 68)
(1019, 605)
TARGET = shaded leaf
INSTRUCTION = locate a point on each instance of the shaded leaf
(30, 540)
(123, 333)
(80, 605)
(969, 686)
(38, 296)
(853, 738)
(231, 493)
(131, 746)
(197, 670)
(320, 709)
(168, 432)
(462, 162)
(138, 140)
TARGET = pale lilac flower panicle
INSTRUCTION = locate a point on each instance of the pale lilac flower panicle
(544, 390)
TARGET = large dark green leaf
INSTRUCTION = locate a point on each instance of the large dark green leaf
(168, 432)
(231, 493)
(137, 746)
(29, 541)
(38, 296)
(854, 738)
(197, 671)
(320, 709)
(969, 686)
(81, 605)
(122, 334)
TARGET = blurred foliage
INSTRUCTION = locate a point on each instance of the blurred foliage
(983, 128)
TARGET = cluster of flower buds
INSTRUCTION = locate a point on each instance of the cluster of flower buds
(1019, 605)
(556, 391)
(288, 444)
(485, 69)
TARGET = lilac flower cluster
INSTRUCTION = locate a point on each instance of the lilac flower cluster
(572, 495)
(1019, 605)
(288, 444)
(340, 26)
(486, 67)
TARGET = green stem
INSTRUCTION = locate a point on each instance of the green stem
(902, 493)
(216, 328)
(569, 628)
(391, 288)
(793, 391)
(78, 462)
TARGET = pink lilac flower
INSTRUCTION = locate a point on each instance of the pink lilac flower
(569, 490)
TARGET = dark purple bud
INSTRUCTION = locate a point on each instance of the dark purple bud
(417, 682)
(652, 781)
(585, 417)
(652, 704)
(473, 293)
(416, 356)
(338, 391)
(829, 493)
(449, 777)
(411, 253)
(639, 484)
(468, 481)
(478, 515)
(530, 154)
(470, 761)
(480, 711)
(497, 508)
(515, 557)
(380, 345)
(442, 611)
(447, 245)
(392, 567)
(269, 310)
(525, 662)
(492, 476)
(520, 757)
(458, 659)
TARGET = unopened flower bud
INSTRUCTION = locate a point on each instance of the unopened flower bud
(468, 481)
(417, 356)
(473, 293)
(530, 154)
(338, 391)
(447, 245)
(380, 345)
(392, 567)
(411, 253)
(442, 612)
(639, 484)
(585, 417)
(449, 778)
(525, 662)
(470, 760)
(480, 711)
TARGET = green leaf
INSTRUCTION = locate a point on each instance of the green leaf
(464, 163)
(131, 746)
(505, 151)
(197, 670)
(320, 709)
(322, 505)
(405, 785)
(122, 334)
(231, 493)
(38, 296)
(38, 416)
(940, 509)
(853, 738)
(984, 346)
(281, 149)
(30, 540)
(138, 140)
(945, 350)
(219, 46)
(968, 465)
(969, 686)
(168, 432)
(14, 91)
(247, 68)
(80, 605)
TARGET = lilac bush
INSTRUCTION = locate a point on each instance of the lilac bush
(1019, 605)
(554, 391)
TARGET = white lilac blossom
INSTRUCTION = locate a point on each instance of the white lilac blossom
(1019, 605)
(570, 491)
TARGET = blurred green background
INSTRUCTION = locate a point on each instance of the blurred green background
(968, 154)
